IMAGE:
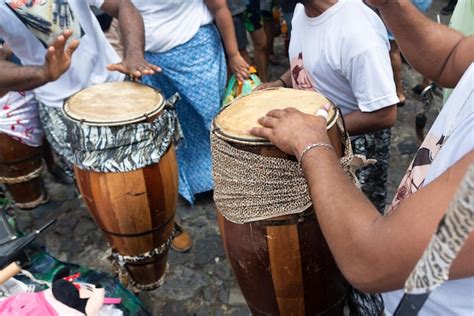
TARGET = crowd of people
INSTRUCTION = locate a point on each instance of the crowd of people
(347, 50)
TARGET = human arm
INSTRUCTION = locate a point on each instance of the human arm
(284, 81)
(447, 53)
(375, 253)
(359, 122)
(133, 37)
(57, 62)
(226, 28)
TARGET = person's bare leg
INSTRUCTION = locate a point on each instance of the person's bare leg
(269, 34)
(396, 60)
(260, 52)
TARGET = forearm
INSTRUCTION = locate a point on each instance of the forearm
(359, 122)
(346, 220)
(20, 78)
(130, 24)
(226, 29)
(376, 253)
(286, 77)
(446, 54)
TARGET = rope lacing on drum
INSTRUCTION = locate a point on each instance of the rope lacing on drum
(120, 261)
(24, 178)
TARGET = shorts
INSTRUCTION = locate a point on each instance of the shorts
(240, 31)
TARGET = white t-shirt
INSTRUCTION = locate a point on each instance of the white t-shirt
(344, 54)
(171, 23)
(28, 30)
(450, 138)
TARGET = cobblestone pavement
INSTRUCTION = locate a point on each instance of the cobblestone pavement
(199, 282)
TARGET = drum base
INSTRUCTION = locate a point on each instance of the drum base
(284, 266)
(135, 210)
(20, 171)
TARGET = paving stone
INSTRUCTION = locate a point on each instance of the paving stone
(407, 148)
(241, 312)
(236, 297)
(207, 249)
(181, 284)
(173, 308)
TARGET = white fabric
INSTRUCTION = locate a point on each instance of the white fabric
(171, 23)
(19, 118)
(456, 121)
(88, 62)
(345, 56)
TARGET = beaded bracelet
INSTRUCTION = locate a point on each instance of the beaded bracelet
(309, 147)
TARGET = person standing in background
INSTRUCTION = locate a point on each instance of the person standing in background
(449, 8)
(182, 38)
(396, 59)
(288, 7)
(237, 9)
(254, 25)
(359, 80)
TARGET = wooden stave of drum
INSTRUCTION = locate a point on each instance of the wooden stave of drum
(127, 235)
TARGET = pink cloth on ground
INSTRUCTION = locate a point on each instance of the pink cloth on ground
(27, 304)
(19, 118)
(36, 304)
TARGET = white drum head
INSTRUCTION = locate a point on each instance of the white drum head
(114, 103)
(235, 121)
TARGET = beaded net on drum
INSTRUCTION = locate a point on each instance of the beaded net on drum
(250, 187)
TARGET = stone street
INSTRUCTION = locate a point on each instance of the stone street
(199, 282)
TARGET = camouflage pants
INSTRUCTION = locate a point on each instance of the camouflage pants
(373, 178)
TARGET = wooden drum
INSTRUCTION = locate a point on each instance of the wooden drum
(282, 264)
(135, 209)
(20, 171)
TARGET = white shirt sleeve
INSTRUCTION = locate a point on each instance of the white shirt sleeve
(96, 3)
(371, 77)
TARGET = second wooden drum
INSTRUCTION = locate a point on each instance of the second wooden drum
(282, 262)
(114, 135)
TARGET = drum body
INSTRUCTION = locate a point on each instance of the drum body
(135, 208)
(283, 264)
(20, 171)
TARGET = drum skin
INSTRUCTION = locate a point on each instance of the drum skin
(135, 210)
(283, 265)
(17, 160)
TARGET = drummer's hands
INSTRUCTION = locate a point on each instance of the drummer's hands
(135, 66)
(273, 84)
(239, 67)
(58, 56)
(291, 130)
